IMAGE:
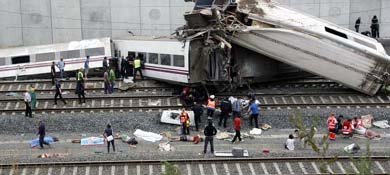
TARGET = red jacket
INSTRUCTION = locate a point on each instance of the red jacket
(237, 123)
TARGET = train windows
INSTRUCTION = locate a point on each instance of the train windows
(142, 55)
(165, 59)
(2, 61)
(335, 32)
(178, 60)
(95, 51)
(45, 57)
(131, 54)
(20, 59)
(70, 54)
(153, 58)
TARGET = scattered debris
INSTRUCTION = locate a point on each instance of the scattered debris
(224, 135)
(255, 131)
(128, 140)
(54, 155)
(173, 117)
(235, 152)
(266, 127)
(128, 80)
(13, 94)
(148, 136)
(352, 148)
(92, 141)
(383, 124)
(165, 147)
(367, 120)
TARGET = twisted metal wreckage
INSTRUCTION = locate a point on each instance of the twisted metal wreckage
(248, 39)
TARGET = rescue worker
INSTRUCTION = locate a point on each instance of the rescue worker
(358, 126)
(42, 133)
(109, 137)
(53, 72)
(58, 92)
(33, 95)
(236, 107)
(61, 66)
(340, 121)
(347, 128)
(185, 122)
(332, 122)
(111, 78)
(237, 128)
(226, 108)
(211, 106)
(198, 111)
(375, 27)
(357, 25)
(80, 86)
(137, 68)
(105, 64)
(209, 132)
(27, 101)
(254, 109)
(106, 80)
(124, 65)
(86, 67)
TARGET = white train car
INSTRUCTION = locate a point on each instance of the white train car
(166, 59)
(313, 45)
(32, 60)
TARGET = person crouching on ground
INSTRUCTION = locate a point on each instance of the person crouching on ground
(290, 143)
(209, 132)
(347, 128)
(237, 128)
(109, 137)
(185, 122)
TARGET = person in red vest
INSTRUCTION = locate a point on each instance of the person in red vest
(185, 122)
(347, 128)
(211, 106)
(237, 127)
(332, 123)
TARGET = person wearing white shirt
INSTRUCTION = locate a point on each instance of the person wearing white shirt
(290, 143)
(27, 100)
(61, 66)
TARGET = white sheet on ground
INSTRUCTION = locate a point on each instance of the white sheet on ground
(255, 131)
(173, 117)
(148, 136)
(382, 124)
(367, 120)
(92, 141)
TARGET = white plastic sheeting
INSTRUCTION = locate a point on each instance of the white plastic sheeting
(148, 136)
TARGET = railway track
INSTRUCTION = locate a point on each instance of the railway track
(153, 100)
(240, 166)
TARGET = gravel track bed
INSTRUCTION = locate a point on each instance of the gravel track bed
(150, 121)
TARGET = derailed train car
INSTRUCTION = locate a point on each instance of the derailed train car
(294, 38)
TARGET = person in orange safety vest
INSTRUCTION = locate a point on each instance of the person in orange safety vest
(185, 122)
(347, 128)
(332, 123)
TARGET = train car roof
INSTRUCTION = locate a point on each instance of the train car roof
(149, 38)
(71, 45)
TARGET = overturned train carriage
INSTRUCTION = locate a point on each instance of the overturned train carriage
(299, 40)
(314, 45)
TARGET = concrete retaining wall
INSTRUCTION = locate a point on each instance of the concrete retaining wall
(33, 22)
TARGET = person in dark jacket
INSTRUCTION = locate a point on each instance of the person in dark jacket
(109, 136)
(80, 86)
(209, 132)
(226, 108)
(105, 64)
(53, 72)
(339, 125)
(42, 133)
(58, 92)
(237, 128)
(198, 111)
(357, 24)
(124, 68)
(375, 27)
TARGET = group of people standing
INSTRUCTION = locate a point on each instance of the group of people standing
(374, 27)
(227, 108)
